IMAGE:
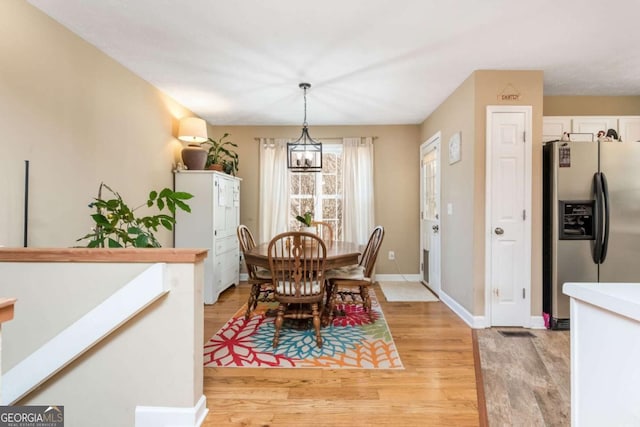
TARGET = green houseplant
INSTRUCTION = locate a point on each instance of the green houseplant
(220, 153)
(117, 226)
(305, 219)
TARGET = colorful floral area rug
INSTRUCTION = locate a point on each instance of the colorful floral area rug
(352, 341)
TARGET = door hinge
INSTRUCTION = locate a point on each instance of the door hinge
(523, 293)
(496, 292)
(524, 215)
(524, 136)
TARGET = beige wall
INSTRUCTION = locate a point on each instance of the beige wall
(463, 183)
(456, 114)
(591, 105)
(80, 118)
(396, 181)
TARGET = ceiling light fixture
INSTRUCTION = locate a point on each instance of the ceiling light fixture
(304, 154)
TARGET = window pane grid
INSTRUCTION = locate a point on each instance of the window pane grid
(320, 193)
(430, 185)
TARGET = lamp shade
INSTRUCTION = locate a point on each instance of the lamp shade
(192, 129)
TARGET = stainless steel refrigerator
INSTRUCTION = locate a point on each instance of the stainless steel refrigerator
(591, 219)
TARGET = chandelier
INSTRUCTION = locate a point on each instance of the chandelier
(304, 154)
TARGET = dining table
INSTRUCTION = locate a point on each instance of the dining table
(339, 254)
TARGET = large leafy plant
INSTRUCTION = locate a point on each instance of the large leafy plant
(220, 153)
(116, 225)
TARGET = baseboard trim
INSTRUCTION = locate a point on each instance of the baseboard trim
(537, 322)
(164, 416)
(475, 322)
(398, 277)
(244, 277)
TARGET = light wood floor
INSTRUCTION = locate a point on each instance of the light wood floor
(436, 388)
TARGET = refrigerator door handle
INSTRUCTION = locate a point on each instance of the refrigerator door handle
(596, 253)
(605, 200)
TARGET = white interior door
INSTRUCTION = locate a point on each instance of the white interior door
(430, 212)
(508, 214)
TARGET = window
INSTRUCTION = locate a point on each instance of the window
(320, 193)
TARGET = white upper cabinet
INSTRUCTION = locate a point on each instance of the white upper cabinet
(554, 126)
(593, 124)
(629, 128)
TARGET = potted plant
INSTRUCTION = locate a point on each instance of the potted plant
(306, 219)
(117, 226)
(220, 156)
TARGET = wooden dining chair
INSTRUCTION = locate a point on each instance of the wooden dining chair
(324, 230)
(297, 261)
(259, 278)
(351, 284)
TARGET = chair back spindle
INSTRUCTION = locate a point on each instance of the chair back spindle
(296, 261)
(246, 244)
(259, 279)
(324, 230)
(370, 254)
(297, 264)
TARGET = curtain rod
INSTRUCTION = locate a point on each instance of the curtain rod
(318, 139)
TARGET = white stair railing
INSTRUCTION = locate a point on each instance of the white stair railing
(83, 334)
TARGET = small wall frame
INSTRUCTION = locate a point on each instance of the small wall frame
(455, 148)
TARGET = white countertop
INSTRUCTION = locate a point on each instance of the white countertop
(620, 298)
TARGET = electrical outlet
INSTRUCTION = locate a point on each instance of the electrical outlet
(392, 255)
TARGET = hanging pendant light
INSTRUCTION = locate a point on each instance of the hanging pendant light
(304, 154)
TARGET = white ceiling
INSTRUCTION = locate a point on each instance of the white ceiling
(369, 61)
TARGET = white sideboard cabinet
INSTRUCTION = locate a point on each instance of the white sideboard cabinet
(212, 224)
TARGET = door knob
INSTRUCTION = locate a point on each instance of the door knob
(435, 228)
(499, 231)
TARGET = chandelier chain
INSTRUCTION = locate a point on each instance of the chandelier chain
(304, 123)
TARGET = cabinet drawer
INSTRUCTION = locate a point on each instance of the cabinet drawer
(226, 244)
(227, 260)
(229, 276)
(226, 270)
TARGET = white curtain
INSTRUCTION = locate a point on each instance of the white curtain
(357, 163)
(274, 188)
